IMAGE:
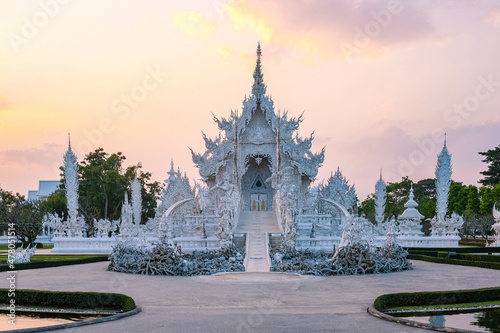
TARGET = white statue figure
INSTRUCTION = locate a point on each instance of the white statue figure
(226, 214)
(286, 201)
(496, 227)
(127, 224)
(453, 224)
(53, 223)
(202, 197)
(103, 227)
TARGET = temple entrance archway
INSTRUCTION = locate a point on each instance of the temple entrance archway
(257, 194)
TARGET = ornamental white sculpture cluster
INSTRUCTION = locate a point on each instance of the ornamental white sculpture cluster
(24, 256)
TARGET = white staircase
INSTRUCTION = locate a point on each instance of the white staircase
(257, 225)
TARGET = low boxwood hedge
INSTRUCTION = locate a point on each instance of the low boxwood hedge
(463, 262)
(492, 249)
(390, 301)
(54, 263)
(478, 257)
(69, 300)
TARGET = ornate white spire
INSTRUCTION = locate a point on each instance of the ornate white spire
(411, 203)
(380, 193)
(71, 183)
(171, 173)
(411, 212)
(443, 182)
(258, 87)
(136, 201)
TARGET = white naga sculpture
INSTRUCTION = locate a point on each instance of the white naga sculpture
(23, 256)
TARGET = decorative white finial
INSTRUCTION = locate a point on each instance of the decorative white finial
(258, 87)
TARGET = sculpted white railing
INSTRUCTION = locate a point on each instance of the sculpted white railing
(319, 225)
(328, 243)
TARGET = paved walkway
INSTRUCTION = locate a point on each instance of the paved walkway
(253, 302)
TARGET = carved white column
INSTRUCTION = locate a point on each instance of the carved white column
(71, 183)
(380, 198)
(443, 182)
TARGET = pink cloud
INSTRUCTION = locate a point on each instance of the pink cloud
(45, 155)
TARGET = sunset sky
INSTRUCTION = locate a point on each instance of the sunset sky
(378, 81)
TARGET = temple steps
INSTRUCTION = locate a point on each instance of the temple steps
(257, 225)
(257, 222)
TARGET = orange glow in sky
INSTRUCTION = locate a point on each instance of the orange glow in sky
(379, 81)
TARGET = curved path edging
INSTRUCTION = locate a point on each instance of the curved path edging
(374, 312)
(77, 323)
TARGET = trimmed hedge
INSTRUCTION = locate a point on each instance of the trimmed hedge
(55, 263)
(478, 257)
(390, 301)
(455, 249)
(482, 264)
(69, 300)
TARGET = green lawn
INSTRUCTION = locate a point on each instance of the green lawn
(45, 247)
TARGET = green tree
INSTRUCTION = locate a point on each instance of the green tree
(425, 196)
(457, 198)
(25, 216)
(56, 203)
(492, 174)
(397, 195)
(367, 208)
(425, 188)
(472, 206)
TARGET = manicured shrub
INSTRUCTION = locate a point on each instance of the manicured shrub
(483, 264)
(53, 263)
(389, 301)
(478, 257)
(69, 300)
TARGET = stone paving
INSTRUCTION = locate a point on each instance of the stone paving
(253, 302)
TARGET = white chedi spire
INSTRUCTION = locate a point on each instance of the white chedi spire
(136, 201)
(443, 182)
(380, 197)
(258, 87)
(411, 212)
(71, 183)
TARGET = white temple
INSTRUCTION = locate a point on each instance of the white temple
(257, 175)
